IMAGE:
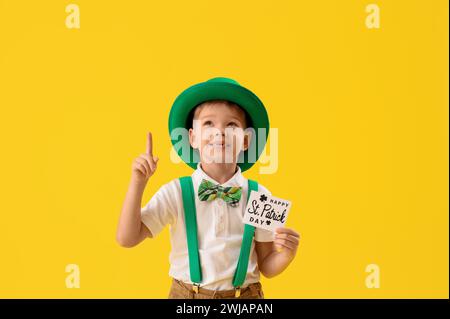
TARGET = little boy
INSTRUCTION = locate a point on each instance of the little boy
(214, 255)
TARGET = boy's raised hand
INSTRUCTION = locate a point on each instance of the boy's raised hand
(145, 164)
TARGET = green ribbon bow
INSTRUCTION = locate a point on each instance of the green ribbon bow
(209, 191)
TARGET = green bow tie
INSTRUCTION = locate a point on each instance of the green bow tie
(208, 191)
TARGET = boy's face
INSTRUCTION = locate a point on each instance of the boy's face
(218, 132)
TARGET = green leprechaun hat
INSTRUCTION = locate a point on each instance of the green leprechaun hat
(219, 88)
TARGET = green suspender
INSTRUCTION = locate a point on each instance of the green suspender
(187, 190)
(190, 216)
(249, 231)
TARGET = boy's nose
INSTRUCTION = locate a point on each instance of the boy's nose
(219, 137)
(219, 131)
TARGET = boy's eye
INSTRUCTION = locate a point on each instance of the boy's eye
(207, 123)
(232, 124)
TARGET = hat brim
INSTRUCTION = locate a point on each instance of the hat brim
(206, 91)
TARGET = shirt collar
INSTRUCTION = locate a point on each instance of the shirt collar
(236, 180)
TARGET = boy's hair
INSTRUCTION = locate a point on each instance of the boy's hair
(196, 110)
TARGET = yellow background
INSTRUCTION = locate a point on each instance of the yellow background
(363, 126)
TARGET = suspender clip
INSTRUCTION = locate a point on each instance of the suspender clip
(237, 292)
(195, 287)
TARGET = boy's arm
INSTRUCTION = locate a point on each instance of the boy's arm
(271, 259)
(131, 231)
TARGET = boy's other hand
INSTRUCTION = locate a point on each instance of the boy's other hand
(287, 240)
(145, 164)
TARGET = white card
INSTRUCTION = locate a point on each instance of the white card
(265, 211)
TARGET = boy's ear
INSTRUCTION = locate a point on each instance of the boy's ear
(247, 139)
(192, 139)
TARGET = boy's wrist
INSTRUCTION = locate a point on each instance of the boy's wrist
(137, 185)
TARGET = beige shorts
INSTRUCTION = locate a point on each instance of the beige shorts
(182, 290)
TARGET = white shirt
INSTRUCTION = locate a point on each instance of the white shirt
(219, 226)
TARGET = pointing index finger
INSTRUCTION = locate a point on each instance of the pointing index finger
(149, 150)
